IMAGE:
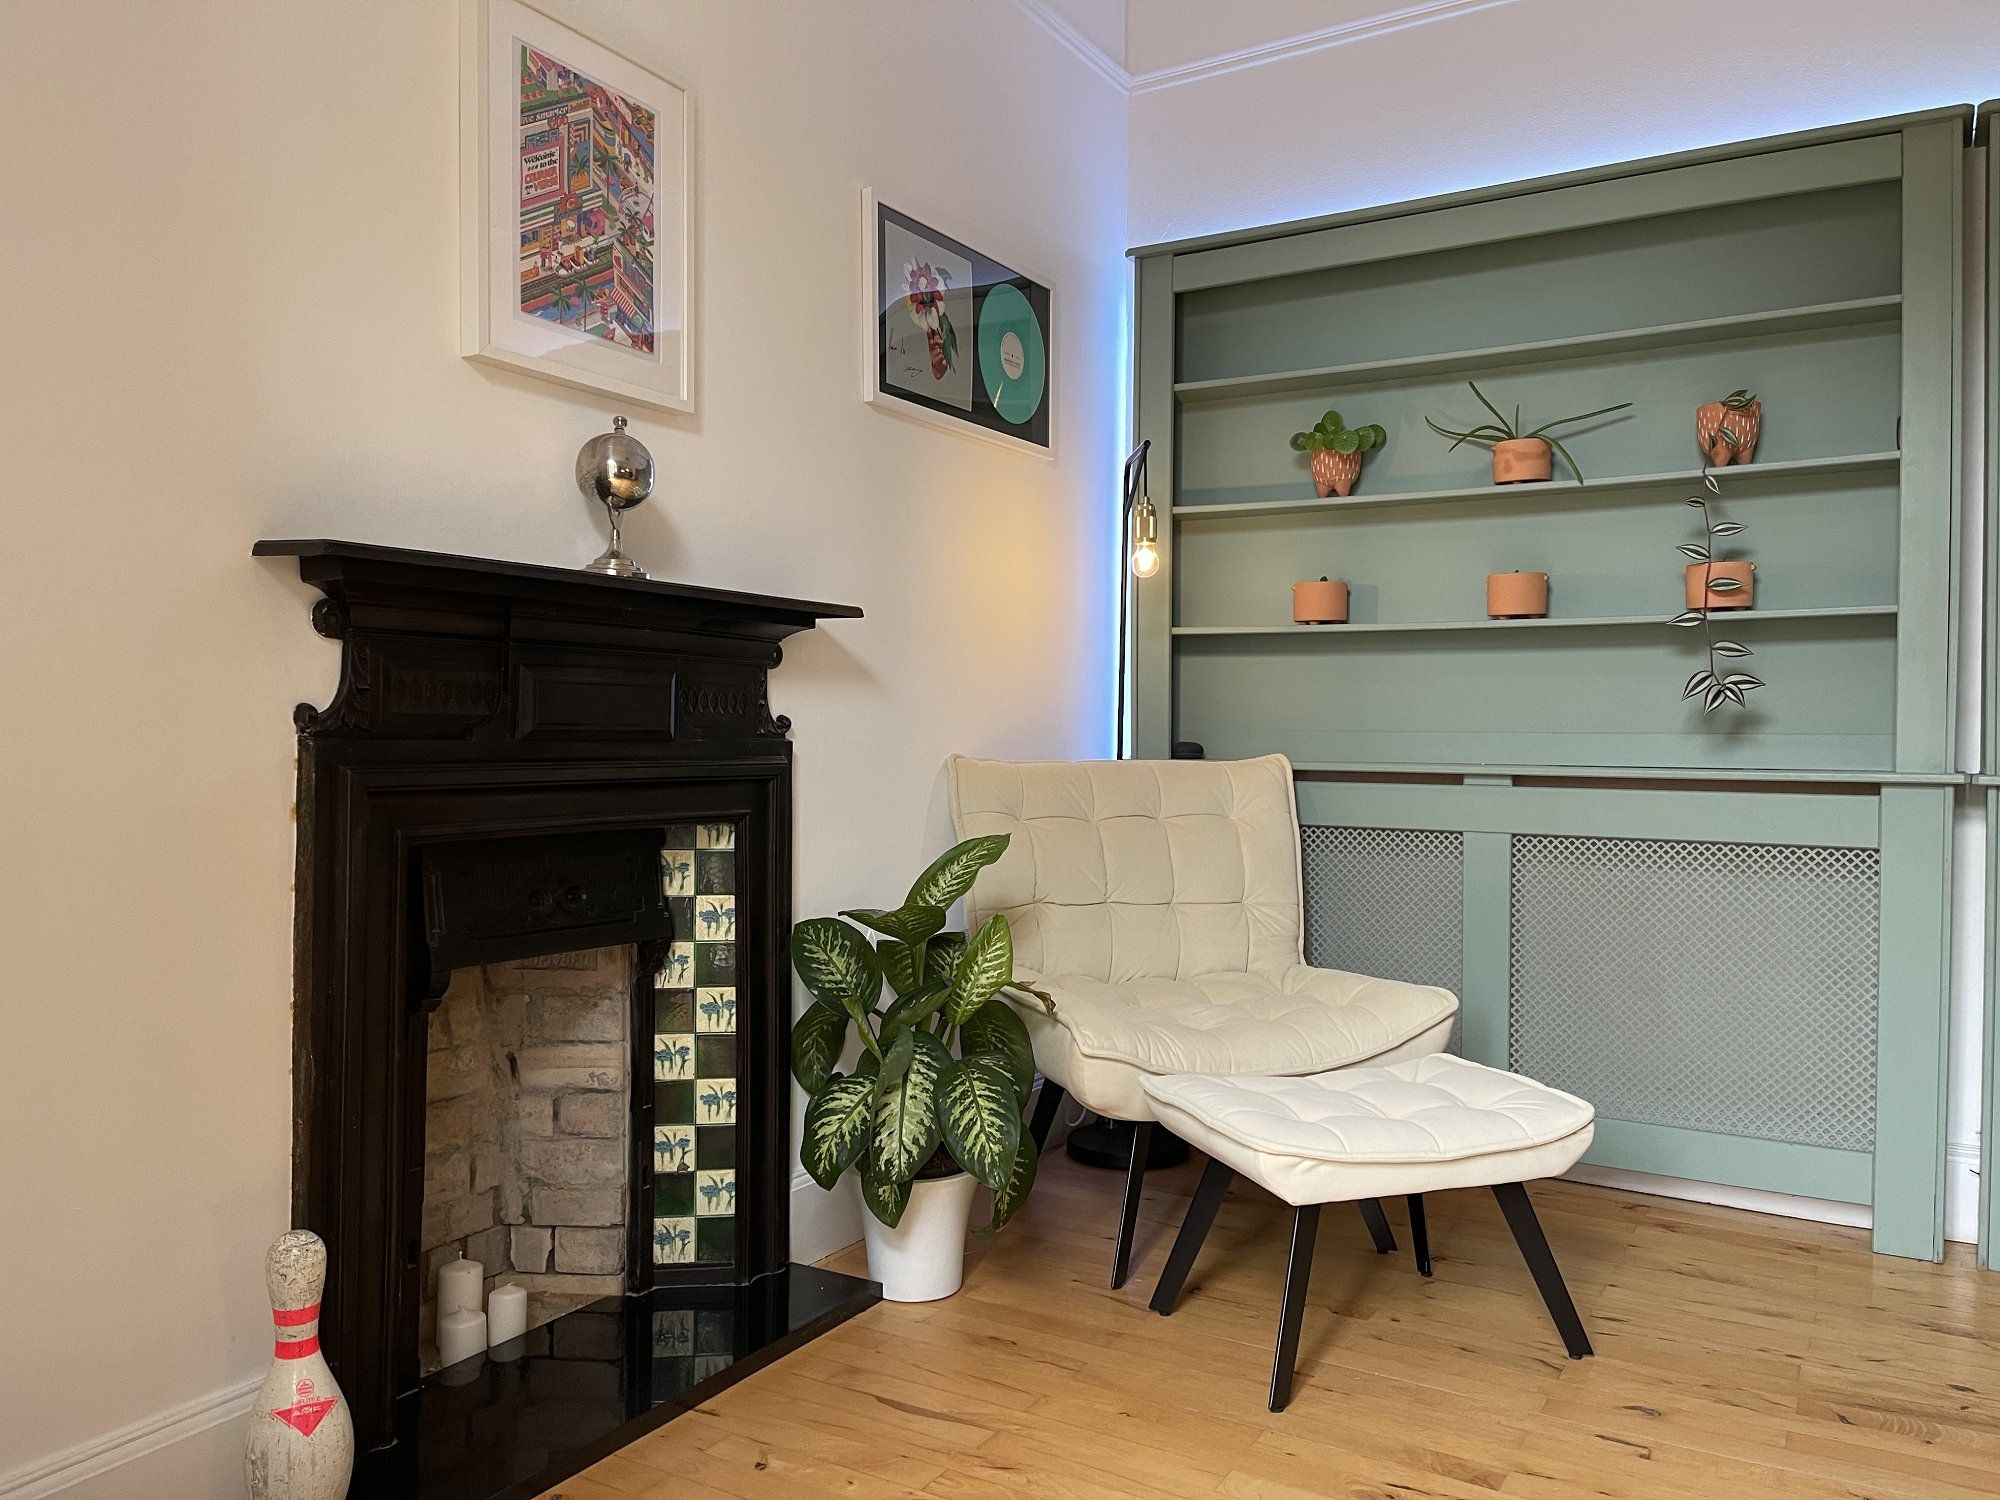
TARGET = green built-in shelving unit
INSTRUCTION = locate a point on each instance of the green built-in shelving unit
(1730, 930)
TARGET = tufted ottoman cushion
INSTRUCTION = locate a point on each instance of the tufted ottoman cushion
(1105, 1040)
(1418, 1126)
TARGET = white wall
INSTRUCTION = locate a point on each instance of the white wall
(230, 248)
(1284, 109)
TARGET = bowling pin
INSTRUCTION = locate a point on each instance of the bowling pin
(301, 1444)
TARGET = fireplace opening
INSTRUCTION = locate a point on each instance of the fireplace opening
(542, 1071)
(527, 1131)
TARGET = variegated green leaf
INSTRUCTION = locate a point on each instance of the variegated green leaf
(1020, 1177)
(942, 956)
(906, 1118)
(836, 962)
(817, 1037)
(906, 924)
(988, 963)
(952, 874)
(896, 1054)
(995, 1027)
(900, 964)
(913, 1009)
(981, 1114)
(838, 1119)
(886, 1197)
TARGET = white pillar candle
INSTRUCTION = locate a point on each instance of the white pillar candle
(460, 1336)
(461, 1287)
(506, 1314)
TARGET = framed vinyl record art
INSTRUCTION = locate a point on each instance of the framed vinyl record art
(951, 336)
(574, 215)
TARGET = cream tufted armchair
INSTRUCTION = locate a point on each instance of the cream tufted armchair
(1158, 903)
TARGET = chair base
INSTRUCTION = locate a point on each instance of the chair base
(1107, 1144)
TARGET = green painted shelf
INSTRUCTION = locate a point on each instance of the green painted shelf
(1855, 312)
(1732, 618)
(1594, 489)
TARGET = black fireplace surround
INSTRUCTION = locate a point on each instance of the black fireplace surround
(490, 782)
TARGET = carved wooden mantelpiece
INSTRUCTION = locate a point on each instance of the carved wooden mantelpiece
(442, 647)
(504, 741)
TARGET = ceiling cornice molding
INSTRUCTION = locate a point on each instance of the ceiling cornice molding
(1101, 62)
(1424, 14)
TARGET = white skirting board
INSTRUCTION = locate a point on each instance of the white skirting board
(194, 1449)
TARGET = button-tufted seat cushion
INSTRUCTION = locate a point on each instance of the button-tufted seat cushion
(1159, 904)
(1418, 1126)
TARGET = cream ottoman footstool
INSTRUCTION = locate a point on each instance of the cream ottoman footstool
(1359, 1135)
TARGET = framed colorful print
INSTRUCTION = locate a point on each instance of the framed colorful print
(574, 211)
(951, 336)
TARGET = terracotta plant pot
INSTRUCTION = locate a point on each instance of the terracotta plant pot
(1521, 461)
(1744, 573)
(1335, 473)
(1517, 596)
(1745, 424)
(1323, 601)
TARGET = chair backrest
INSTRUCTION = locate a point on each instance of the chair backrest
(1123, 870)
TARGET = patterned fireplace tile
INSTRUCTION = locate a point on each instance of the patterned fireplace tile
(694, 1051)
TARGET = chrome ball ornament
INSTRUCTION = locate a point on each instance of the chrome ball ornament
(614, 470)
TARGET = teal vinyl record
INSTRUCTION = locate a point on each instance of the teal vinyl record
(1013, 355)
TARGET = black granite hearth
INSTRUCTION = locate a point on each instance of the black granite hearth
(509, 1424)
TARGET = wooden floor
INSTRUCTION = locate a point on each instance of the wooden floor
(1737, 1356)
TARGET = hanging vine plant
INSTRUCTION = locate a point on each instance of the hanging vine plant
(1711, 684)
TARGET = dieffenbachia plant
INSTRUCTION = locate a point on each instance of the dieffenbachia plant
(1714, 687)
(944, 1061)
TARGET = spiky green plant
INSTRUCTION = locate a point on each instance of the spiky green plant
(1503, 430)
(913, 995)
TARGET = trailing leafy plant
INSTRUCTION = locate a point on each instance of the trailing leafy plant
(1504, 430)
(945, 1066)
(1332, 435)
(1715, 687)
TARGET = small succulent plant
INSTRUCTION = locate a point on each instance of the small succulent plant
(1330, 434)
(1503, 430)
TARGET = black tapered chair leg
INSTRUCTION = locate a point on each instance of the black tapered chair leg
(1420, 1233)
(1047, 1101)
(1298, 1272)
(1541, 1261)
(1194, 1229)
(1378, 1225)
(1128, 1218)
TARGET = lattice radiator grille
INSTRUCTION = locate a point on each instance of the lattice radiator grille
(1385, 901)
(1715, 987)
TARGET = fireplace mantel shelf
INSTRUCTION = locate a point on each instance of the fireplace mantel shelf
(766, 615)
(448, 647)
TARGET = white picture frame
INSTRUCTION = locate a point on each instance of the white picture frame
(979, 418)
(608, 305)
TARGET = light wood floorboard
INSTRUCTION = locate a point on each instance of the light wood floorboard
(1737, 1355)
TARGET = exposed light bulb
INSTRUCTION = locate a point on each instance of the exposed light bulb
(1145, 540)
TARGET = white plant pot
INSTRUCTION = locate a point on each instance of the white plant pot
(923, 1258)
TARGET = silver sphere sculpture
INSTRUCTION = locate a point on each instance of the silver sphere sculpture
(614, 470)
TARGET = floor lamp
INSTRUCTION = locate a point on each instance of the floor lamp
(1139, 530)
(1108, 1143)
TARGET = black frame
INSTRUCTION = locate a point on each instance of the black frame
(987, 274)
